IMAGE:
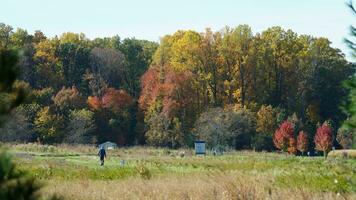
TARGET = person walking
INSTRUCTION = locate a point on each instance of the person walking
(102, 155)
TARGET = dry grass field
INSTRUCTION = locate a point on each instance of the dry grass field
(148, 173)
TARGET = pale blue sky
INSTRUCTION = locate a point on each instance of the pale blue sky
(155, 18)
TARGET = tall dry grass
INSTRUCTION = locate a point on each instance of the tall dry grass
(233, 185)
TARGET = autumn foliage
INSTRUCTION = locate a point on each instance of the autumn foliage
(302, 142)
(283, 137)
(168, 85)
(68, 98)
(94, 102)
(115, 100)
(323, 138)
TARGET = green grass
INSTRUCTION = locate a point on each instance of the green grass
(283, 171)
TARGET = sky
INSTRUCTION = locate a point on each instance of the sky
(155, 18)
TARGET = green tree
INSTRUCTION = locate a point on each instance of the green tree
(9, 97)
(219, 127)
(75, 60)
(5, 33)
(138, 56)
(48, 66)
(350, 106)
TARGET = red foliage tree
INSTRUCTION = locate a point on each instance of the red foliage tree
(150, 85)
(283, 135)
(167, 97)
(302, 142)
(116, 100)
(177, 88)
(323, 138)
(112, 99)
(174, 89)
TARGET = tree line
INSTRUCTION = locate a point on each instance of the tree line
(232, 87)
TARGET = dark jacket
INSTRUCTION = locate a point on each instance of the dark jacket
(102, 153)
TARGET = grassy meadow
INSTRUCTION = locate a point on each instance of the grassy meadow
(150, 173)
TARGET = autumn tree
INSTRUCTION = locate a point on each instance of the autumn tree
(283, 137)
(116, 100)
(167, 95)
(113, 115)
(48, 66)
(68, 98)
(302, 142)
(80, 127)
(48, 125)
(323, 138)
(266, 120)
(137, 88)
(241, 39)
